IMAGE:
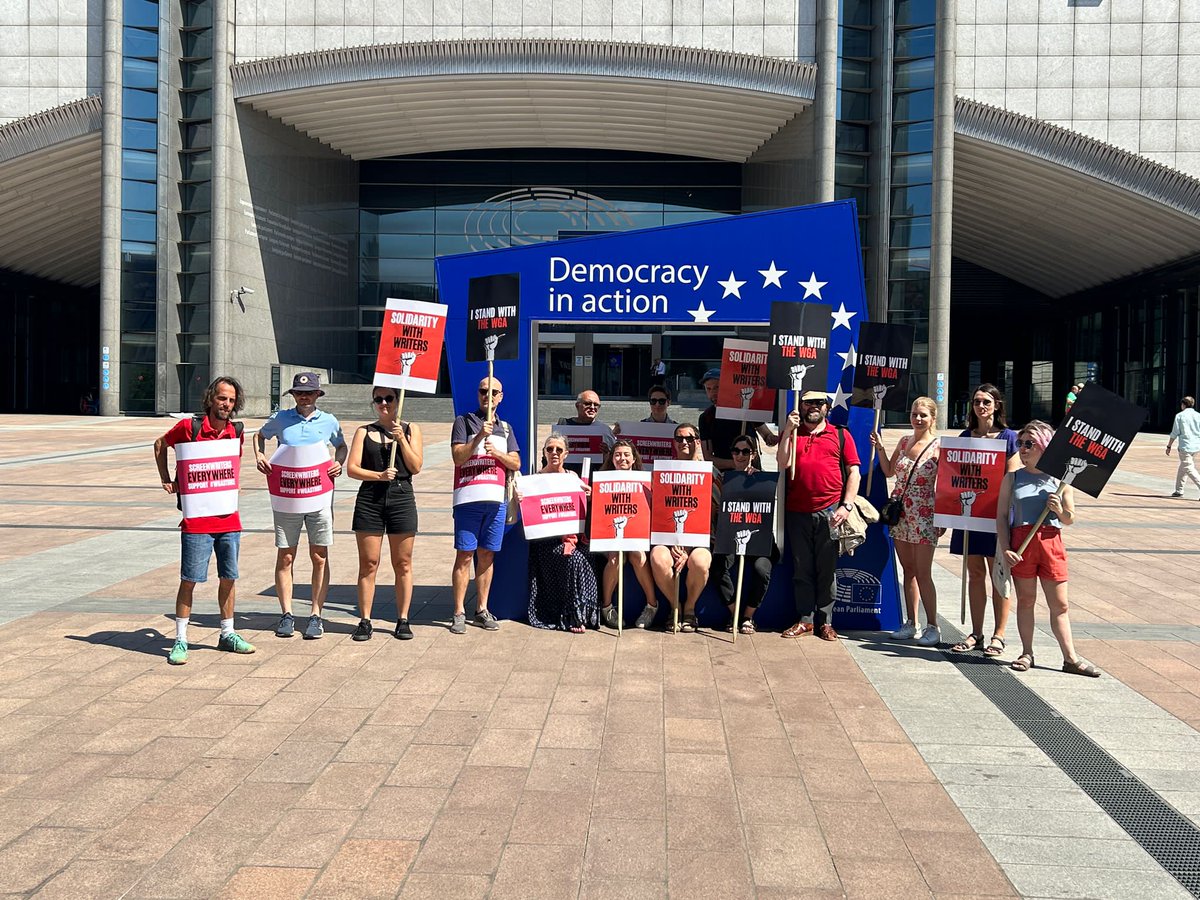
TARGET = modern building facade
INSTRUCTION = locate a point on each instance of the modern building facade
(193, 187)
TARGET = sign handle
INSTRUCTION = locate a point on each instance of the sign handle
(871, 459)
(620, 590)
(962, 612)
(399, 413)
(743, 434)
(675, 605)
(737, 597)
(1040, 519)
(796, 406)
(489, 395)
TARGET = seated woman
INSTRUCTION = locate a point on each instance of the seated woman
(744, 452)
(624, 457)
(562, 586)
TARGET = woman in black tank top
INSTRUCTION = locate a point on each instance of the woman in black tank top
(385, 505)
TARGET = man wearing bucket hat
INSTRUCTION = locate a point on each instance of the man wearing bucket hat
(717, 435)
(302, 426)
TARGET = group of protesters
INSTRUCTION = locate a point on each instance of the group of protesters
(820, 466)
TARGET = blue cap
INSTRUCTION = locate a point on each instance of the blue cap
(711, 373)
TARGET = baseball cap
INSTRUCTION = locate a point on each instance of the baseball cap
(710, 374)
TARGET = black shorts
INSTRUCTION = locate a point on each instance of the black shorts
(385, 509)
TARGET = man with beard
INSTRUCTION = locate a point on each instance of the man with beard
(202, 535)
(820, 493)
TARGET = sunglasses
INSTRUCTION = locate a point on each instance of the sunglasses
(742, 451)
(658, 401)
(982, 402)
(1028, 445)
(589, 403)
(812, 402)
(387, 398)
(555, 450)
(495, 392)
(686, 439)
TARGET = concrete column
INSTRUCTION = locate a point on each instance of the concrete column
(110, 211)
(824, 132)
(943, 206)
(222, 124)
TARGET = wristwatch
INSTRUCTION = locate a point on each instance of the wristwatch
(846, 505)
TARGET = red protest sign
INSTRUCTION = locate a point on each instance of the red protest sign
(653, 440)
(968, 483)
(552, 505)
(207, 473)
(481, 478)
(681, 503)
(743, 394)
(410, 345)
(586, 441)
(620, 517)
(299, 479)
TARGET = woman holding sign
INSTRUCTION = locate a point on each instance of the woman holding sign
(624, 457)
(914, 463)
(384, 456)
(985, 420)
(1024, 494)
(744, 452)
(562, 585)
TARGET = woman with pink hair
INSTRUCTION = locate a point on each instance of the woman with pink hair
(1024, 494)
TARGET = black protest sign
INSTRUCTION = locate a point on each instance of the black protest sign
(492, 317)
(746, 519)
(881, 369)
(1086, 448)
(798, 351)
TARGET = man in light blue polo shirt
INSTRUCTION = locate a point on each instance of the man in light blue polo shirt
(299, 427)
(1187, 431)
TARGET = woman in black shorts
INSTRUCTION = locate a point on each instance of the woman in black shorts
(385, 505)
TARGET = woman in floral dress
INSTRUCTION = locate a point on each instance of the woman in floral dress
(914, 464)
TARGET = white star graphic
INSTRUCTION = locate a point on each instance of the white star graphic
(840, 397)
(849, 358)
(732, 286)
(700, 314)
(841, 318)
(772, 275)
(812, 287)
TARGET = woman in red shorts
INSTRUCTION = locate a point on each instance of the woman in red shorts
(1023, 495)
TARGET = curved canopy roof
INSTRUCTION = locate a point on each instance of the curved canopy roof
(1059, 211)
(50, 205)
(416, 98)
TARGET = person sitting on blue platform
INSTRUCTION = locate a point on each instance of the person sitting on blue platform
(624, 457)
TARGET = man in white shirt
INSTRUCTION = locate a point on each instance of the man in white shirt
(1187, 431)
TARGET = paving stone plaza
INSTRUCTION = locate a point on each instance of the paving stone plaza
(528, 763)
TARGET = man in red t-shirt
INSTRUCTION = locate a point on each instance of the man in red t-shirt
(818, 497)
(203, 534)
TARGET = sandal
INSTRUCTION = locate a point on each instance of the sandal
(1022, 663)
(688, 624)
(1079, 667)
(969, 643)
(992, 649)
(748, 626)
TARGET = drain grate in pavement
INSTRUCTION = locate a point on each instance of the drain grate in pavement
(1170, 838)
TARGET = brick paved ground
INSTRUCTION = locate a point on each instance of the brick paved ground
(536, 764)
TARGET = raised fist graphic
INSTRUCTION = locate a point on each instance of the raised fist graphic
(746, 393)
(489, 346)
(619, 524)
(680, 517)
(1075, 465)
(797, 374)
(741, 539)
(967, 499)
(406, 362)
(878, 392)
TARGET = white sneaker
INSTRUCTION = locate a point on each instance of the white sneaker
(906, 632)
(930, 636)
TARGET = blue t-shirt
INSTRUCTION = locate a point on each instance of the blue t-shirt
(1029, 495)
(292, 429)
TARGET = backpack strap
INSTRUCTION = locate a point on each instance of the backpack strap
(198, 423)
(841, 433)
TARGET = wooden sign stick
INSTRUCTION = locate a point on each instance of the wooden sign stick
(399, 413)
(620, 591)
(871, 460)
(737, 596)
(963, 598)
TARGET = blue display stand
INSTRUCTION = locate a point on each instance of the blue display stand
(721, 272)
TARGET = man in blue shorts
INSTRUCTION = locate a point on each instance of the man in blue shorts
(483, 452)
(302, 426)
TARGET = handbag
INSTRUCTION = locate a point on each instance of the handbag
(892, 510)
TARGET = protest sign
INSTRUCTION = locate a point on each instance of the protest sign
(493, 303)
(653, 440)
(1086, 448)
(299, 479)
(969, 474)
(681, 503)
(207, 473)
(410, 345)
(743, 394)
(481, 478)
(620, 515)
(746, 517)
(798, 349)
(552, 505)
(883, 357)
(585, 442)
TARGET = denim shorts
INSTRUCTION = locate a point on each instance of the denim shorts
(197, 548)
(479, 526)
(319, 525)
